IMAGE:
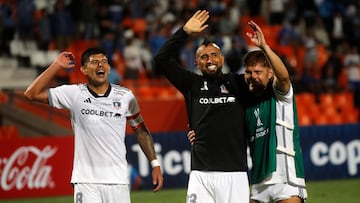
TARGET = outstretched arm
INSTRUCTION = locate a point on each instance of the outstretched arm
(282, 78)
(37, 89)
(146, 143)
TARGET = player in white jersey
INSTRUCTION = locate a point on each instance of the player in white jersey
(99, 112)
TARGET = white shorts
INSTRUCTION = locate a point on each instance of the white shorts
(95, 193)
(218, 187)
(276, 192)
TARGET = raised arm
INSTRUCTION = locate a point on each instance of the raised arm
(166, 60)
(37, 90)
(282, 78)
(146, 143)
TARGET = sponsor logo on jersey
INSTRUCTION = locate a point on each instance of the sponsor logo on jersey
(217, 100)
(93, 112)
(260, 129)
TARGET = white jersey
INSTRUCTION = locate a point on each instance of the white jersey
(99, 124)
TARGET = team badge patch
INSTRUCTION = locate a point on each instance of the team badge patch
(117, 104)
(223, 89)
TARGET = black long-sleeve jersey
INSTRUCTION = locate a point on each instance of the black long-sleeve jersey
(214, 110)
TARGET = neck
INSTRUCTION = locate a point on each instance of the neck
(101, 89)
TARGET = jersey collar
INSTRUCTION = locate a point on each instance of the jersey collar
(96, 95)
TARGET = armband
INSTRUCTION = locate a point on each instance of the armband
(135, 121)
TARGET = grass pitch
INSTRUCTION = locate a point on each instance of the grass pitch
(332, 191)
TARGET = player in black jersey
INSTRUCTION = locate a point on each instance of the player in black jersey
(271, 119)
(215, 113)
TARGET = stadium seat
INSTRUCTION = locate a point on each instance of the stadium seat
(139, 27)
(335, 119)
(326, 100)
(305, 99)
(344, 101)
(351, 116)
(304, 120)
(321, 119)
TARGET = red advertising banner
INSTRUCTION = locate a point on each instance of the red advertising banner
(34, 167)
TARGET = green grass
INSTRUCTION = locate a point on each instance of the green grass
(332, 191)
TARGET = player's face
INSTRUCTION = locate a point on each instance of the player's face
(209, 60)
(97, 69)
(258, 77)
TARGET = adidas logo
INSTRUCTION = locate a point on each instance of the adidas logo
(88, 100)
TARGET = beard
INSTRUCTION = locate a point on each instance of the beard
(256, 87)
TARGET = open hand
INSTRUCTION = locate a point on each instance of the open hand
(157, 178)
(196, 23)
(257, 38)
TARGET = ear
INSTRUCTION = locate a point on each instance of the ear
(271, 73)
(83, 69)
(195, 63)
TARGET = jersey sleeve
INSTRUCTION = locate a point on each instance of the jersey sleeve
(62, 97)
(167, 62)
(133, 115)
(133, 106)
(284, 97)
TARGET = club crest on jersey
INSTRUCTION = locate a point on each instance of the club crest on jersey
(117, 104)
(205, 87)
(223, 89)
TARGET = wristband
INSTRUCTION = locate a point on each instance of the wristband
(154, 163)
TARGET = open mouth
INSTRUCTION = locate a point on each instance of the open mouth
(100, 73)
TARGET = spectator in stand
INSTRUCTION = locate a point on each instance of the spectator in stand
(187, 55)
(233, 58)
(105, 23)
(337, 29)
(352, 55)
(329, 79)
(62, 25)
(44, 32)
(7, 26)
(132, 56)
(88, 19)
(311, 52)
(320, 32)
(26, 19)
(277, 11)
(308, 82)
(354, 81)
(226, 25)
(289, 34)
(158, 38)
(334, 60)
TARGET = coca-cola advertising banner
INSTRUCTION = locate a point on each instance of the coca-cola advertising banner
(33, 167)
